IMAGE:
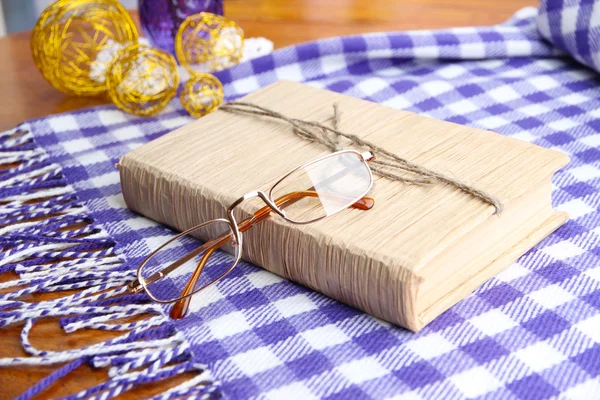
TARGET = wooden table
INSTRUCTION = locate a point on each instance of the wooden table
(26, 95)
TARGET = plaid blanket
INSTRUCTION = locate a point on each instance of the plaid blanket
(532, 332)
(572, 26)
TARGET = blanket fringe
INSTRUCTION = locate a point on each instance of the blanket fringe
(51, 242)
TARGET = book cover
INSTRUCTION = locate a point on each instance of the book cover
(418, 251)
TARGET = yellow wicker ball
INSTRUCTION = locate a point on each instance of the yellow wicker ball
(201, 95)
(207, 42)
(142, 80)
(70, 35)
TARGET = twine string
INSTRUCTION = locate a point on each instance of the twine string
(386, 164)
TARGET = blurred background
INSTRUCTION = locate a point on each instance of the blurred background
(288, 22)
(26, 95)
(21, 15)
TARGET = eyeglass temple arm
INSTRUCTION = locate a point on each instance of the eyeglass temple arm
(180, 308)
(365, 203)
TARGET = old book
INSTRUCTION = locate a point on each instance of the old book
(418, 251)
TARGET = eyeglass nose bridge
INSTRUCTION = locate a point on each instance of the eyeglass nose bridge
(257, 193)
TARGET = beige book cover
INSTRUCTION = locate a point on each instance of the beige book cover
(418, 251)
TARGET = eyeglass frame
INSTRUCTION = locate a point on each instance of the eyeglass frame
(140, 283)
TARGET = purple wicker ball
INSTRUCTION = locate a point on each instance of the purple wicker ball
(161, 18)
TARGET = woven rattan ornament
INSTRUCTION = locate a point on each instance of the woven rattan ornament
(207, 42)
(68, 37)
(142, 80)
(202, 94)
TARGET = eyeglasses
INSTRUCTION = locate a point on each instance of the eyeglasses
(320, 188)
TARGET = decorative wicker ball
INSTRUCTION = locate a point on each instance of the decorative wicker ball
(207, 42)
(201, 95)
(68, 37)
(142, 80)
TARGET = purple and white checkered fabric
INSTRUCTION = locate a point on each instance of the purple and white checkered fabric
(573, 26)
(533, 332)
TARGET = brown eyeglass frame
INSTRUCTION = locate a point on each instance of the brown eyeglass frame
(181, 305)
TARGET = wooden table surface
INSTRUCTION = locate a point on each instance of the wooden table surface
(26, 95)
